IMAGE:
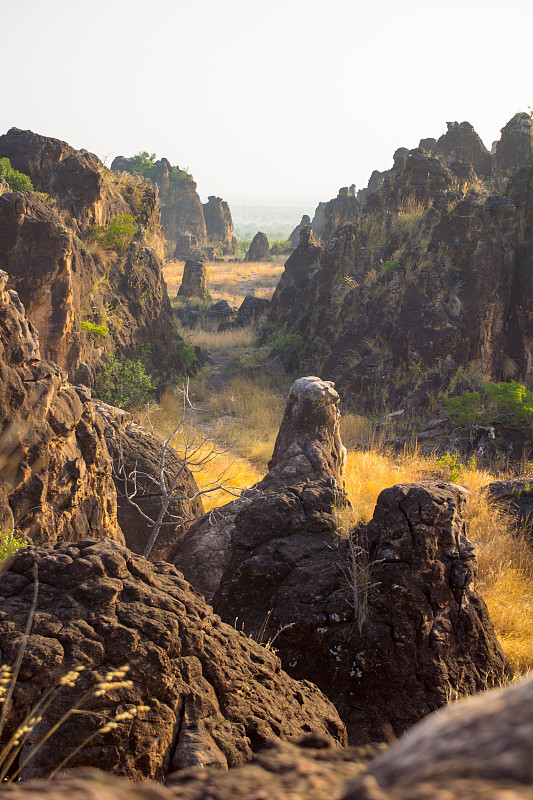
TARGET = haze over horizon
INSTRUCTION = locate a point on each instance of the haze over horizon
(276, 104)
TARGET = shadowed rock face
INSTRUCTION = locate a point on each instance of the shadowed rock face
(343, 208)
(294, 238)
(219, 224)
(475, 750)
(55, 474)
(137, 456)
(299, 270)
(214, 695)
(194, 281)
(49, 252)
(514, 151)
(259, 248)
(461, 143)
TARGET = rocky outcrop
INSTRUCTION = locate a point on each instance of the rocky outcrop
(300, 268)
(432, 278)
(68, 271)
(515, 497)
(344, 208)
(219, 224)
(384, 619)
(194, 281)
(213, 695)
(318, 220)
(137, 457)
(461, 143)
(259, 248)
(294, 238)
(55, 475)
(251, 310)
(514, 151)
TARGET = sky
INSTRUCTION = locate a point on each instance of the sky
(279, 102)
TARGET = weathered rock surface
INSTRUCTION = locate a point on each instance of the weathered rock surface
(343, 208)
(386, 620)
(428, 275)
(60, 275)
(308, 450)
(514, 151)
(194, 281)
(318, 220)
(294, 238)
(214, 696)
(137, 456)
(461, 143)
(55, 475)
(259, 248)
(250, 311)
(516, 497)
(219, 224)
(299, 270)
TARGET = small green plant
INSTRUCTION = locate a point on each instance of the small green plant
(391, 266)
(142, 163)
(278, 246)
(117, 235)
(123, 382)
(9, 543)
(464, 409)
(452, 464)
(187, 355)
(507, 401)
(415, 369)
(17, 181)
(96, 331)
(284, 340)
(177, 174)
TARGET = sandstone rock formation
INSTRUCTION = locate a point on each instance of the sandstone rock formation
(137, 457)
(219, 224)
(300, 268)
(384, 620)
(294, 238)
(514, 151)
(431, 277)
(515, 496)
(259, 248)
(461, 143)
(194, 281)
(318, 220)
(55, 475)
(64, 277)
(250, 311)
(213, 695)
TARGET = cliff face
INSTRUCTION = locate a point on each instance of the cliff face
(430, 276)
(89, 251)
(55, 471)
(193, 227)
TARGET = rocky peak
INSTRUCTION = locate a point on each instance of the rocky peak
(514, 150)
(219, 224)
(309, 443)
(343, 208)
(294, 238)
(259, 248)
(462, 143)
(194, 282)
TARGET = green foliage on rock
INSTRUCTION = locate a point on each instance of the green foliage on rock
(117, 235)
(507, 402)
(278, 246)
(142, 163)
(124, 382)
(9, 544)
(187, 355)
(284, 340)
(97, 331)
(17, 181)
(177, 174)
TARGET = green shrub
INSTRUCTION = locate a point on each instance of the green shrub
(507, 401)
(278, 246)
(117, 235)
(124, 382)
(17, 181)
(452, 463)
(97, 331)
(177, 174)
(284, 340)
(9, 544)
(142, 163)
(390, 266)
(187, 355)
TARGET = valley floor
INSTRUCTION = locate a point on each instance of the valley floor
(239, 406)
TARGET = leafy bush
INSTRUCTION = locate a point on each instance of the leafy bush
(278, 246)
(117, 235)
(9, 544)
(16, 180)
(142, 163)
(454, 467)
(187, 355)
(390, 266)
(507, 401)
(284, 340)
(97, 331)
(177, 174)
(124, 382)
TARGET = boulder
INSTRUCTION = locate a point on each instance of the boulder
(259, 248)
(55, 473)
(250, 311)
(137, 456)
(515, 496)
(197, 693)
(194, 281)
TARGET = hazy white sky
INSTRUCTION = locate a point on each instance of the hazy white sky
(279, 101)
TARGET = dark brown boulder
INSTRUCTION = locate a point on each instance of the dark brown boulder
(194, 281)
(219, 224)
(250, 311)
(343, 208)
(259, 248)
(297, 274)
(35, 155)
(137, 456)
(55, 474)
(212, 695)
(514, 496)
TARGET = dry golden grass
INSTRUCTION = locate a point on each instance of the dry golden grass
(250, 414)
(222, 341)
(230, 281)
